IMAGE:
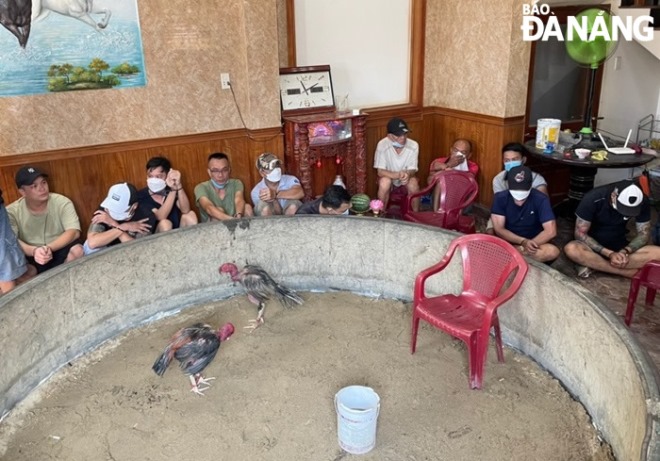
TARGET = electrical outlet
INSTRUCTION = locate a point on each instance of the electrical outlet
(224, 81)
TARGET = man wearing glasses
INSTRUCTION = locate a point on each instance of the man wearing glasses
(221, 197)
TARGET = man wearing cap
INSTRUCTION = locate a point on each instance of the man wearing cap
(396, 161)
(221, 197)
(276, 193)
(601, 227)
(119, 219)
(523, 217)
(45, 223)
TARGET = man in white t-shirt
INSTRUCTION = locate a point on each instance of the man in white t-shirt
(276, 193)
(396, 161)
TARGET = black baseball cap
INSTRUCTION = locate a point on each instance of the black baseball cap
(397, 127)
(519, 178)
(27, 175)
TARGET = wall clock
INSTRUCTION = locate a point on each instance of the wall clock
(306, 89)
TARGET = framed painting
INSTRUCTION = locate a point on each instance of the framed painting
(49, 46)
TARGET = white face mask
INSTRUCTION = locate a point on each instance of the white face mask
(463, 166)
(120, 216)
(156, 185)
(520, 194)
(274, 175)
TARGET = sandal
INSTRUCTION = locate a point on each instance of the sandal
(584, 272)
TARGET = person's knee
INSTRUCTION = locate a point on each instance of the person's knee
(572, 249)
(75, 252)
(164, 225)
(384, 183)
(413, 185)
(189, 219)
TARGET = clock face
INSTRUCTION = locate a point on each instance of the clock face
(306, 89)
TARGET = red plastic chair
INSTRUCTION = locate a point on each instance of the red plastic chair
(459, 190)
(397, 202)
(649, 277)
(489, 263)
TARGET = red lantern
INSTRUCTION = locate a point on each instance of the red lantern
(338, 160)
(318, 163)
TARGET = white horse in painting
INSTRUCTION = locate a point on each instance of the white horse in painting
(77, 9)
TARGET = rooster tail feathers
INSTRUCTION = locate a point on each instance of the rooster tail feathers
(162, 362)
(287, 296)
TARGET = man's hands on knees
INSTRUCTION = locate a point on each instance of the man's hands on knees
(619, 259)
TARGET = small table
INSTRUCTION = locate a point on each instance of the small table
(583, 171)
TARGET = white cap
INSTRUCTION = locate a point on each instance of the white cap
(120, 198)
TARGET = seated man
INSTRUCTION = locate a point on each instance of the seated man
(276, 193)
(600, 231)
(459, 159)
(13, 265)
(165, 196)
(335, 200)
(523, 217)
(221, 197)
(45, 223)
(396, 161)
(514, 154)
(120, 219)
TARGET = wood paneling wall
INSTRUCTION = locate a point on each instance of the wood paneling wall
(436, 129)
(85, 174)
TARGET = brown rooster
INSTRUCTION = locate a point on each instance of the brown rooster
(194, 347)
(260, 287)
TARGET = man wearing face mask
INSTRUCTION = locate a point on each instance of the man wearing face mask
(523, 217)
(515, 154)
(221, 197)
(165, 197)
(118, 220)
(601, 229)
(276, 193)
(396, 160)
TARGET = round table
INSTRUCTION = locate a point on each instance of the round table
(583, 171)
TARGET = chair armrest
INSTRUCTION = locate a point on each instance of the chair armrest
(421, 192)
(419, 293)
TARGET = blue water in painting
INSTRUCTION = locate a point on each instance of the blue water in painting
(58, 40)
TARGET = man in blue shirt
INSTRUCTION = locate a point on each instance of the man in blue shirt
(523, 217)
(601, 226)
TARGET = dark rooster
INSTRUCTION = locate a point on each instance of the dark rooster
(260, 287)
(194, 347)
(16, 17)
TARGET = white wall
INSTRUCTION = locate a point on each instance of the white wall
(365, 42)
(628, 94)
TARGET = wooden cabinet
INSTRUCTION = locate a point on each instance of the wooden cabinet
(317, 147)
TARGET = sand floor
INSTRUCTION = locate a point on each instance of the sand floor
(273, 396)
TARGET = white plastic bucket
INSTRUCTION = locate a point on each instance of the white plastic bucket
(357, 417)
(547, 130)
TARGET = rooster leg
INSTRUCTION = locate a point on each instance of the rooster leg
(195, 388)
(254, 324)
(202, 380)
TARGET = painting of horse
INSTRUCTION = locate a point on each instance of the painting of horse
(17, 16)
(69, 45)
